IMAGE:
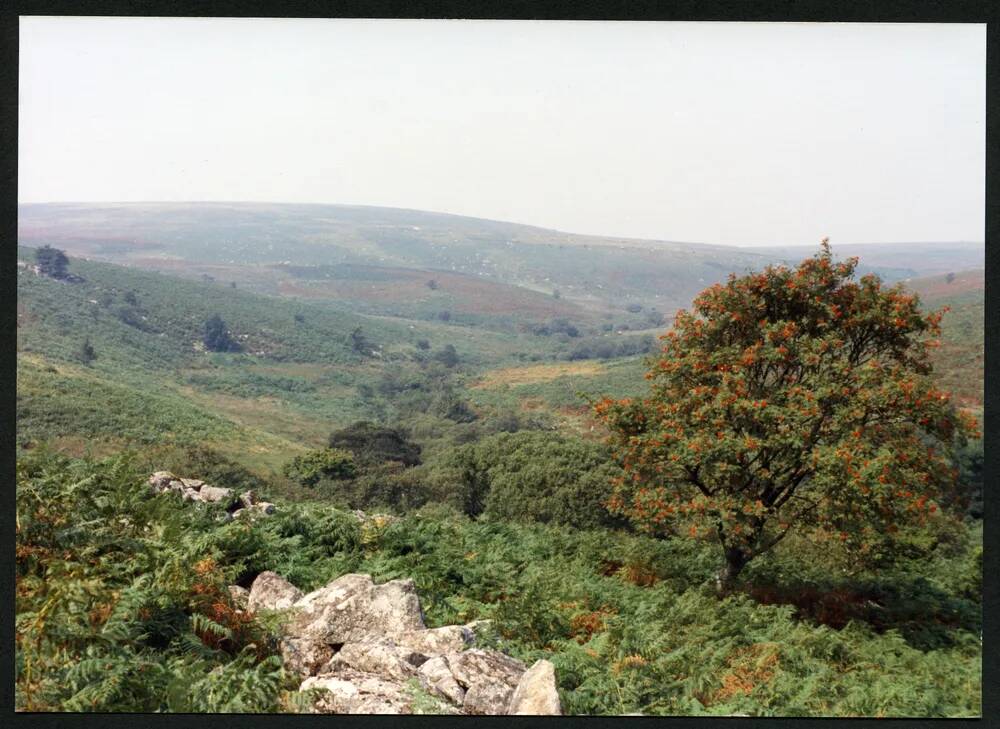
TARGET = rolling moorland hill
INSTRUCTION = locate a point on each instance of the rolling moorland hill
(298, 373)
(384, 260)
(500, 521)
(298, 370)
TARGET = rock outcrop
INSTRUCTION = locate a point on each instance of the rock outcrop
(536, 692)
(365, 649)
(191, 489)
(271, 591)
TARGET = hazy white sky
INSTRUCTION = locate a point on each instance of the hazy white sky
(732, 133)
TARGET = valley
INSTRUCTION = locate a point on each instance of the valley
(454, 364)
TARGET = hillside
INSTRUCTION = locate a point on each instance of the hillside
(895, 261)
(297, 375)
(627, 621)
(959, 361)
(492, 478)
(327, 251)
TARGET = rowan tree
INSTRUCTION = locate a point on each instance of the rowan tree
(787, 399)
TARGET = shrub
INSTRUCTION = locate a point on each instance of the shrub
(323, 463)
(447, 355)
(51, 261)
(372, 444)
(121, 603)
(216, 337)
(87, 354)
(536, 476)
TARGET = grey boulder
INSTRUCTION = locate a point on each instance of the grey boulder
(271, 591)
(536, 692)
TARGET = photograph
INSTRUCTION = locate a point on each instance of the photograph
(486, 367)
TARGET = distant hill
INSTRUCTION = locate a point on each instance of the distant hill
(895, 261)
(267, 246)
(959, 361)
(249, 239)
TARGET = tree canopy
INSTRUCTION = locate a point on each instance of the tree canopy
(217, 337)
(536, 476)
(51, 261)
(308, 468)
(373, 444)
(788, 398)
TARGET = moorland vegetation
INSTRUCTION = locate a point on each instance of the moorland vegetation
(518, 502)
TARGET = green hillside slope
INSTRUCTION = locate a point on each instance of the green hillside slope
(584, 268)
(299, 372)
(959, 361)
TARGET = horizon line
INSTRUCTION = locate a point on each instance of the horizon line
(490, 220)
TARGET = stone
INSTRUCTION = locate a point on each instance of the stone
(476, 665)
(366, 648)
(437, 673)
(536, 692)
(192, 483)
(396, 608)
(160, 481)
(381, 657)
(436, 641)
(336, 591)
(271, 591)
(265, 508)
(248, 498)
(351, 608)
(214, 494)
(352, 692)
(486, 697)
(304, 657)
(240, 595)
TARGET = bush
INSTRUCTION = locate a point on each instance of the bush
(122, 602)
(216, 338)
(372, 444)
(447, 356)
(51, 262)
(536, 476)
(969, 495)
(607, 348)
(121, 606)
(387, 486)
(87, 353)
(324, 463)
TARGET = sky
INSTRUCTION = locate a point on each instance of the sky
(730, 133)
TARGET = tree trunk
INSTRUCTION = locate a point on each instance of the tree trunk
(736, 560)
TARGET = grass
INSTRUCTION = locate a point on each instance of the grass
(513, 376)
(296, 379)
